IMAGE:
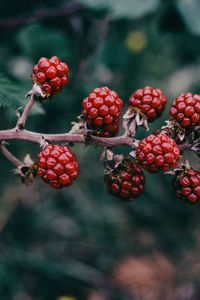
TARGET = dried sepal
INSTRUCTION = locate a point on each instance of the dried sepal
(174, 128)
(37, 93)
(78, 127)
(132, 119)
(180, 166)
(26, 171)
(43, 143)
(112, 162)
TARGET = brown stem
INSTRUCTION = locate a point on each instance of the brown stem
(42, 14)
(23, 134)
(10, 156)
(22, 120)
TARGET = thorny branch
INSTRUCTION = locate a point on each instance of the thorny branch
(9, 155)
(74, 135)
(23, 134)
(19, 132)
(42, 14)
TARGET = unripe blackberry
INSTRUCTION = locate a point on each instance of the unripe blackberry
(101, 111)
(149, 102)
(127, 181)
(50, 75)
(157, 153)
(187, 185)
(57, 165)
(185, 110)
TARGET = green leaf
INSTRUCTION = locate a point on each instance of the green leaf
(10, 94)
(131, 9)
(13, 95)
(190, 9)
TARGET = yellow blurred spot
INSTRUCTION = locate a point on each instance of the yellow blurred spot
(66, 298)
(136, 41)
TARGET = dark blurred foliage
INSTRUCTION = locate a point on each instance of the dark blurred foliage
(76, 241)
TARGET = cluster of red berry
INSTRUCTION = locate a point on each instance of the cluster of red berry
(58, 166)
(101, 110)
(158, 153)
(149, 101)
(50, 75)
(127, 181)
(101, 114)
(187, 185)
(185, 110)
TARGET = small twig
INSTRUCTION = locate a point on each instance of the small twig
(22, 120)
(184, 147)
(42, 14)
(10, 156)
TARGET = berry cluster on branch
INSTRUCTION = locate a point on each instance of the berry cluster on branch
(99, 124)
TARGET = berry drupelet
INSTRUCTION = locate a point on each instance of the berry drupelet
(50, 75)
(157, 153)
(127, 181)
(149, 102)
(187, 185)
(57, 165)
(101, 111)
(185, 110)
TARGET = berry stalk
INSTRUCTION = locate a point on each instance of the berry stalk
(22, 120)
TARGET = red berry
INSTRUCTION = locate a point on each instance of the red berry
(127, 181)
(35, 69)
(93, 113)
(149, 101)
(65, 66)
(101, 110)
(97, 102)
(50, 74)
(54, 60)
(187, 185)
(185, 110)
(60, 70)
(46, 88)
(98, 121)
(64, 79)
(56, 81)
(157, 153)
(41, 77)
(57, 165)
(43, 65)
(57, 90)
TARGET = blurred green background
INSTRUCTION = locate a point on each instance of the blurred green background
(80, 242)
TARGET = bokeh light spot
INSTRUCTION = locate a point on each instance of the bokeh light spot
(136, 41)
